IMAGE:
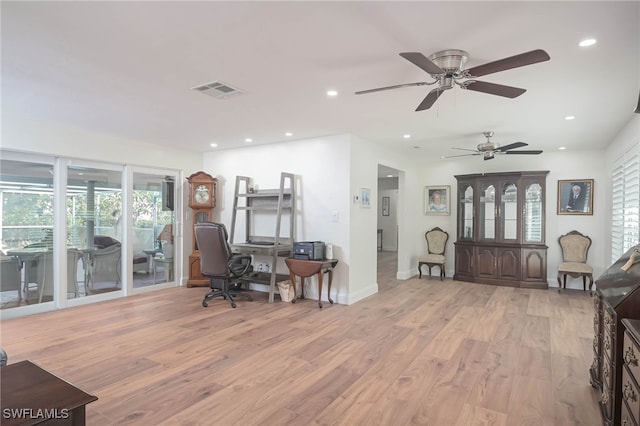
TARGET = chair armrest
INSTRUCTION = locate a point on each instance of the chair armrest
(237, 260)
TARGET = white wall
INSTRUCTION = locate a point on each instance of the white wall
(562, 165)
(321, 167)
(330, 171)
(45, 138)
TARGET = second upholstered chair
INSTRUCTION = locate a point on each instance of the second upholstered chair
(218, 263)
(575, 249)
(436, 245)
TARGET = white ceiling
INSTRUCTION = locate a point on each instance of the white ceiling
(127, 69)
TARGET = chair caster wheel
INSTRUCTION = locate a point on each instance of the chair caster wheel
(233, 305)
(205, 304)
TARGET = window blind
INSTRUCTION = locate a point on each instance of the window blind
(625, 206)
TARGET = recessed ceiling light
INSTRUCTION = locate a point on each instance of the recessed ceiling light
(407, 136)
(288, 134)
(332, 93)
(562, 148)
(389, 175)
(569, 117)
(587, 42)
(213, 145)
(248, 140)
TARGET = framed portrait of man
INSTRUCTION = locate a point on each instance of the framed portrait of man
(437, 200)
(575, 197)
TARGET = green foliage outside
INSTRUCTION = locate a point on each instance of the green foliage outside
(27, 216)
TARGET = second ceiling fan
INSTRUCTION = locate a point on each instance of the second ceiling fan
(488, 149)
(447, 68)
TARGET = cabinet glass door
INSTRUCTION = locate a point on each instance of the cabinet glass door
(487, 218)
(465, 212)
(509, 212)
(533, 214)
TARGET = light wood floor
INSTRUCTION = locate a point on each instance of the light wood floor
(421, 352)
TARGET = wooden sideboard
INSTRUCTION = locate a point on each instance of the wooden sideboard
(630, 414)
(31, 395)
(617, 297)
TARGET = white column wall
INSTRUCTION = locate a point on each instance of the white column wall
(365, 159)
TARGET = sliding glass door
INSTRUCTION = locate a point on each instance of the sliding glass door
(75, 232)
(94, 229)
(153, 237)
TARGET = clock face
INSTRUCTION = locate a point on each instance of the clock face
(201, 194)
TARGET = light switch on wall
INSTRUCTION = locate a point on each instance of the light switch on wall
(334, 216)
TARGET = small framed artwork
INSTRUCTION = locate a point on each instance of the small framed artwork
(575, 197)
(365, 198)
(385, 206)
(436, 200)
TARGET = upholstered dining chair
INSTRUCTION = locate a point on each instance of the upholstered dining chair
(575, 249)
(10, 276)
(44, 274)
(436, 245)
(104, 269)
(218, 263)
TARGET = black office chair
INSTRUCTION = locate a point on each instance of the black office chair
(218, 263)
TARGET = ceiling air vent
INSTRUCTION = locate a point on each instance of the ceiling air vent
(217, 89)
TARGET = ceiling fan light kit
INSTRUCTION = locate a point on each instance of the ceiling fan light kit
(447, 67)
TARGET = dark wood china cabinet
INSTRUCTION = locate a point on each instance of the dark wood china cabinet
(501, 229)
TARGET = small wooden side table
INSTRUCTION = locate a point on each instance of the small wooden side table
(308, 268)
(32, 395)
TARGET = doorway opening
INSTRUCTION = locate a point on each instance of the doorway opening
(387, 239)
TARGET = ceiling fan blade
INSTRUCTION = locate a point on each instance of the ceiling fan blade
(511, 146)
(516, 61)
(465, 149)
(397, 86)
(494, 89)
(527, 152)
(461, 155)
(431, 98)
(421, 61)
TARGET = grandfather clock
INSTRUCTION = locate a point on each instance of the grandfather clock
(202, 188)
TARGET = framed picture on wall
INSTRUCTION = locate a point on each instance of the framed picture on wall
(386, 201)
(575, 196)
(437, 200)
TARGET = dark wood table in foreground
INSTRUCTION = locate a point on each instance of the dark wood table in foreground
(308, 268)
(31, 395)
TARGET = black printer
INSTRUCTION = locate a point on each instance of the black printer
(308, 250)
